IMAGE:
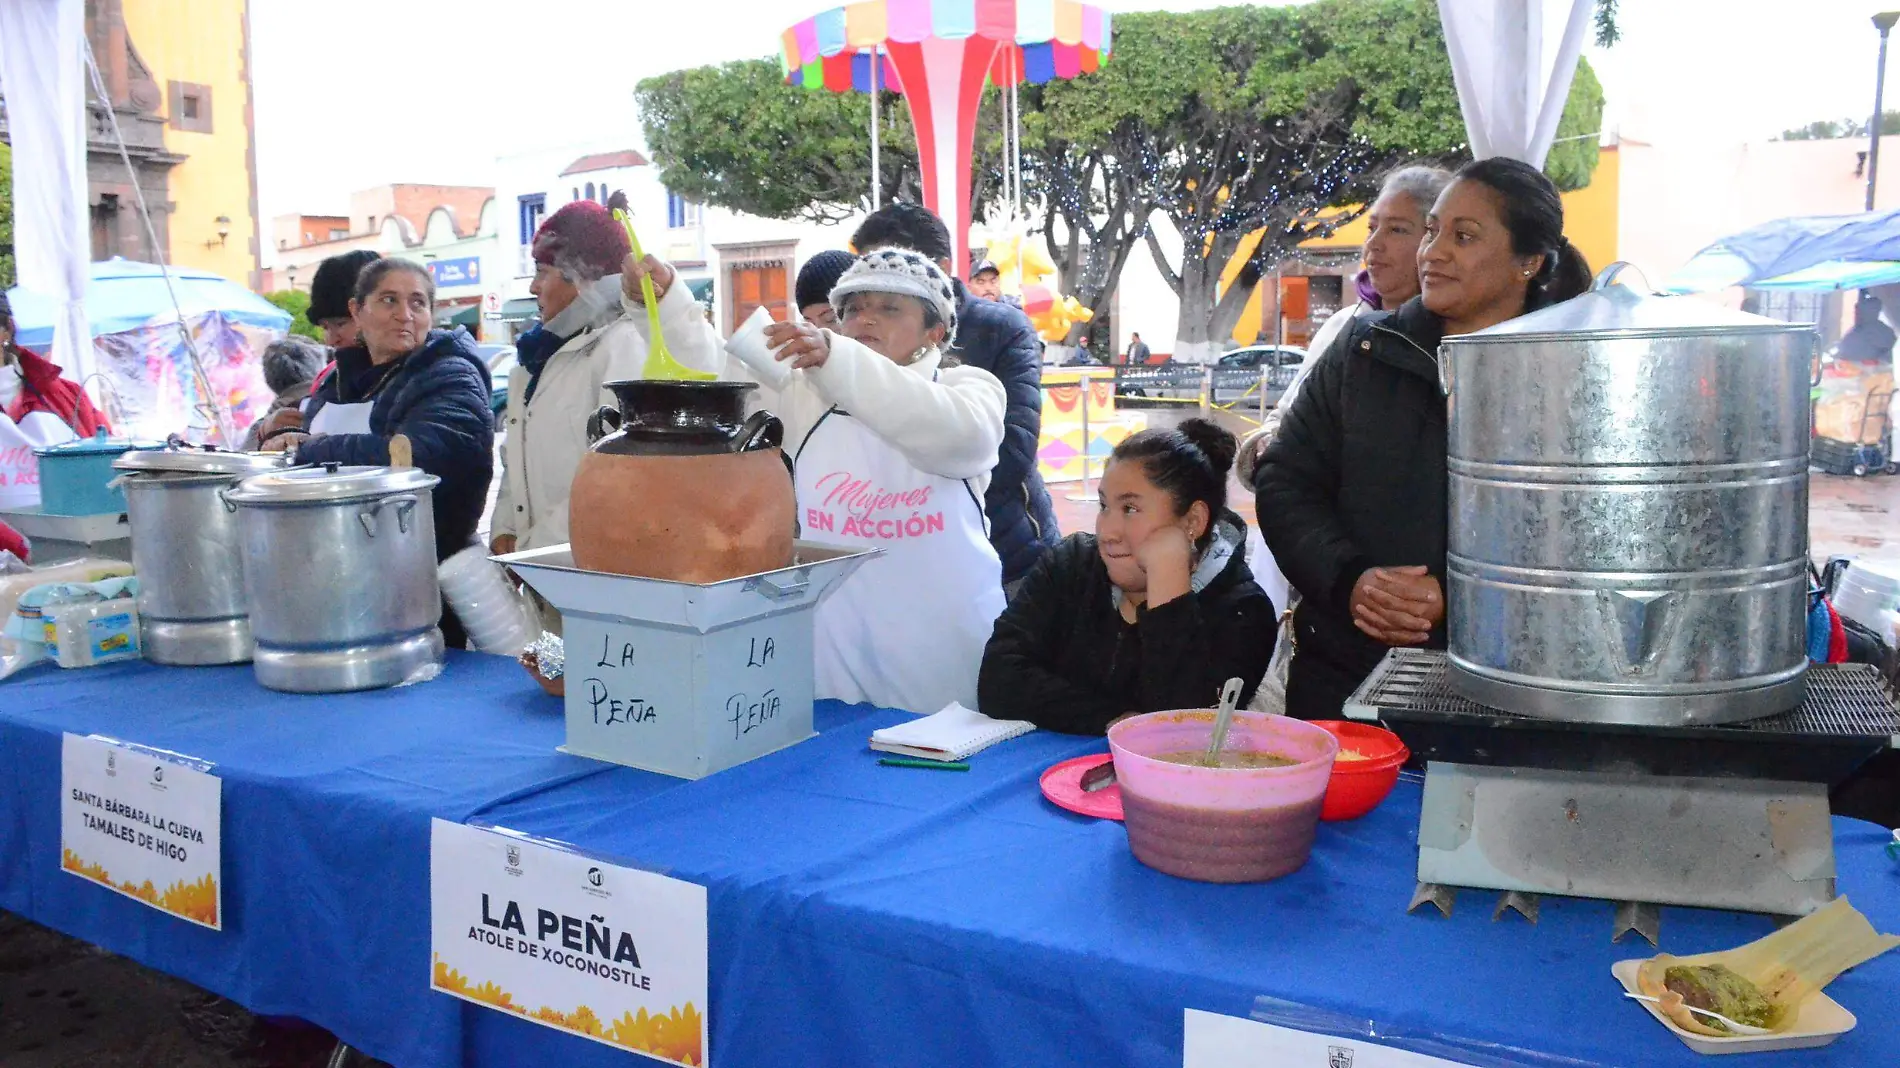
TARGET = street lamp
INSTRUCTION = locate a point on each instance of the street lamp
(224, 232)
(1882, 22)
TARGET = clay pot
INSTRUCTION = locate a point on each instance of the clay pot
(680, 485)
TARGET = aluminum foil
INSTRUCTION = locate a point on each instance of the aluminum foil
(549, 655)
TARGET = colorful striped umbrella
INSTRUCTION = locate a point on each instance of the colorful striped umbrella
(938, 53)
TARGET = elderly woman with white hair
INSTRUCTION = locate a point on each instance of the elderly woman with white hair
(291, 366)
(892, 443)
(593, 330)
(1395, 225)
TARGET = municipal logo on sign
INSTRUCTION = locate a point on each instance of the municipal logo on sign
(1338, 1057)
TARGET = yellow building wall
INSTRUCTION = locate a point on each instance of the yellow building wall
(206, 42)
(1590, 221)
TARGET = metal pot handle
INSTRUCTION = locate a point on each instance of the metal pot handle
(405, 509)
(224, 497)
(1607, 276)
(1444, 371)
(762, 430)
(603, 422)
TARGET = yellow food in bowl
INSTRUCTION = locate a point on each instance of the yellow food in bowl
(1350, 754)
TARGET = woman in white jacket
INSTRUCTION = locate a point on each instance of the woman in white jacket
(892, 446)
(594, 331)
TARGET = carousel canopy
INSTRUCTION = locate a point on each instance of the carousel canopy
(939, 54)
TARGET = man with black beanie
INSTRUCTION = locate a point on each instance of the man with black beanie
(330, 293)
(813, 288)
(999, 339)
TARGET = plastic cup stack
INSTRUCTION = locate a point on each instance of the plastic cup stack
(494, 613)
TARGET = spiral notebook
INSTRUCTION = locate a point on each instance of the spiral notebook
(955, 733)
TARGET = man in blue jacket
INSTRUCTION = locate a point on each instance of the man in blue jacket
(999, 339)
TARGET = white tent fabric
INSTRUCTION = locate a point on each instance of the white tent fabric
(1512, 61)
(43, 78)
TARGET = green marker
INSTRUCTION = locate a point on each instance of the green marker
(939, 765)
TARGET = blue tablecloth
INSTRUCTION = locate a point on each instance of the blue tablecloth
(858, 914)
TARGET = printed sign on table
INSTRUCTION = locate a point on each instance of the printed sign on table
(1215, 1041)
(144, 824)
(614, 954)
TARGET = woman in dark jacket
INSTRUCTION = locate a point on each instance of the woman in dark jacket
(1352, 493)
(1153, 611)
(403, 380)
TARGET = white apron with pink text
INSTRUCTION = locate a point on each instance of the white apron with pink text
(908, 630)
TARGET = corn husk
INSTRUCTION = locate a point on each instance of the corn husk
(1786, 966)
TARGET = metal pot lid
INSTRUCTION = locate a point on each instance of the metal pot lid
(1614, 308)
(98, 443)
(200, 460)
(327, 483)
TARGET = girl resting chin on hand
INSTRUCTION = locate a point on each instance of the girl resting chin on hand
(1153, 611)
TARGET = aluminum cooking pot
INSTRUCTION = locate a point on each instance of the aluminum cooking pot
(341, 574)
(185, 547)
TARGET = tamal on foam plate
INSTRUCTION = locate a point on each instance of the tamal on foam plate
(1765, 982)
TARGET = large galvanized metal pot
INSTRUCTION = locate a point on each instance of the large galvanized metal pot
(340, 568)
(185, 547)
(1629, 511)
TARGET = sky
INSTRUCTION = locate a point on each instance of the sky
(352, 94)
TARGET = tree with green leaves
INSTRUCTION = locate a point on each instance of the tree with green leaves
(737, 136)
(6, 216)
(296, 302)
(1224, 122)
(1258, 119)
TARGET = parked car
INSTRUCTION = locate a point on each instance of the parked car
(1236, 374)
(1265, 356)
(501, 366)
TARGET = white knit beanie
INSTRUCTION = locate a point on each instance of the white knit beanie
(896, 270)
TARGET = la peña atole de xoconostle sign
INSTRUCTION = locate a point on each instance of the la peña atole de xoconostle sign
(569, 941)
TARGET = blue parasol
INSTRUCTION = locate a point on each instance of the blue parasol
(1766, 256)
(124, 295)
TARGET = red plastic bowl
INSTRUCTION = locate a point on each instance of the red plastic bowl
(1357, 786)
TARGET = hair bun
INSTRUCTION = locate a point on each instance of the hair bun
(1215, 441)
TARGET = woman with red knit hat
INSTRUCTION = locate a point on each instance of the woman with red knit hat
(593, 330)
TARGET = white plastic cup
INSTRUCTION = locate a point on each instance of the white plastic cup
(494, 613)
(749, 347)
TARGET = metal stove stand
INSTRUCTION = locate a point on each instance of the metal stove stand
(1732, 816)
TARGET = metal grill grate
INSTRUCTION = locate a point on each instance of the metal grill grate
(1844, 700)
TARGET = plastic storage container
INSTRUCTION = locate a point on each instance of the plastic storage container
(1867, 592)
(77, 478)
(1221, 825)
(85, 633)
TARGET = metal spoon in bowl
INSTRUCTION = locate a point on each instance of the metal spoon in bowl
(1738, 1028)
(1229, 697)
